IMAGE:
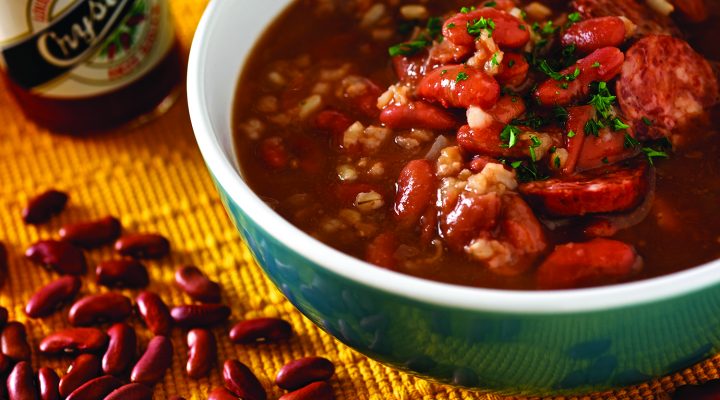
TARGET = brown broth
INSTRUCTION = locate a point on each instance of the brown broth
(688, 184)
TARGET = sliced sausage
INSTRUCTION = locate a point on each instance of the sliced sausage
(595, 33)
(459, 86)
(615, 188)
(601, 65)
(509, 31)
(418, 115)
(597, 262)
(682, 85)
(647, 20)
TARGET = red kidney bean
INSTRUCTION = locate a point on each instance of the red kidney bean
(155, 313)
(274, 152)
(193, 282)
(132, 391)
(381, 251)
(48, 381)
(96, 388)
(14, 342)
(200, 315)
(595, 33)
(313, 391)
(220, 393)
(3, 265)
(52, 296)
(122, 273)
(416, 188)
(21, 383)
(94, 309)
(143, 245)
(81, 340)
(459, 86)
(304, 371)
(202, 352)
(418, 115)
(513, 70)
(509, 31)
(157, 358)
(43, 206)
(333, 122)
(62, 257)
(84, 368)
(261, 330)
(508, 108)
(92, 234)
(121, 349)
(241, 381)
(601, 65)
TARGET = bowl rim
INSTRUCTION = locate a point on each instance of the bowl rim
(418, 289)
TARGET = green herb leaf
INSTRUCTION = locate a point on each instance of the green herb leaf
(461, 76)
(509, 136)
(631, 142)
(651, 154)
(571, 134)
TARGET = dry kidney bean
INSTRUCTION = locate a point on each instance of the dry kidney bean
(313, 391)
(220, 393)
(82, 340)
(121, 349)
(21, 383)
(92, 234)
(95, 389)
(132, 391)
(122, 273)
(200, 315)
(48, 381)
(261, 330)
(84, 368)
(3, 265)
(52, 296)
(241, 381)
(193, 282)
(143, 245)
(14, 342)
(106, 307)
(303, 371)
(151, 367)
(155, 313)
(43, 206)
(202, 352)
(62, 257)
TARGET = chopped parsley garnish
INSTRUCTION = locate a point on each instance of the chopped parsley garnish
(451, 25)
(602, 100)
(560, 113)
(631, 142)
(511, 63)
(569, 51)
(526, 171)
(522, 27)
(605, 160)
(509, 136)
(651, 154)
(476, 27)
(647, 121)
(433, 32)
(534, 144)
(592, 127)
(574, 17)
(461, 76)
(531, 120)
(443, 72)
(547, 29)
(556, 161)
(549, 71)
(619, 125)
(494, 60)
(466, 10)
(490, 4)
(596, 64)
(571, 134)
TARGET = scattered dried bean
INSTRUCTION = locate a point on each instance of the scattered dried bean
(303, 371)
(63, 257)
(241, 381)
(84, 368)
(48, 381)
(200, 315)
(92, 234)
(52, 296)
(122, 273)
(143, 245)
(106, 307)
(95, 389)
(21, 383)
(155, 313)
(261, 330)
(74, 340)
(313, 391)
(202, 352)
(198, 286)
(151, 367)
(43, 206)
(132, 391)
(14, 342)
(120, 352)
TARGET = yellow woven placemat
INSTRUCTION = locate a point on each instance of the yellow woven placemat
(153, 178)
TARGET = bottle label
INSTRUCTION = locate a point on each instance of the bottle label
(82, 48)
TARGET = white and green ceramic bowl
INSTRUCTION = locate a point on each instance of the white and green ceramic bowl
(503, 341)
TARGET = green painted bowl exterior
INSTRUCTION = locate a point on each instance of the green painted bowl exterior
(511, 353)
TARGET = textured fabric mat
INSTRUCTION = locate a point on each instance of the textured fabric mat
(153, 178)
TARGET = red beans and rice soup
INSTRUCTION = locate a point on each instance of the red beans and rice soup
(502, 144)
